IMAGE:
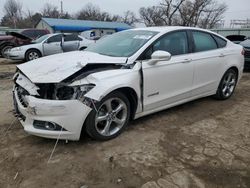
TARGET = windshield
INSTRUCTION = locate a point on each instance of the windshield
(41, 39)
(122, 44)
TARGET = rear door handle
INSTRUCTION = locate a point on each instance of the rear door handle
(221, 55)
(187, 61)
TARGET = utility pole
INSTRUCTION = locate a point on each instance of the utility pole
(61, 8)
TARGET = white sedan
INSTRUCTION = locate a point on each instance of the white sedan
(123, 77)
(48, 45)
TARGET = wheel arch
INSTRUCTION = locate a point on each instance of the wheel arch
(131, 94)
(32, 49)
(235, 69)
(3, 44)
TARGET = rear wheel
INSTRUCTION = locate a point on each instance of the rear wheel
(227, 85)
(110, 117)
(32, 54)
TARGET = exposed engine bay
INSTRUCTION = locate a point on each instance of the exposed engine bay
(62, 90)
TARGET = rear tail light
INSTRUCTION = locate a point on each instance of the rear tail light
(243, 52)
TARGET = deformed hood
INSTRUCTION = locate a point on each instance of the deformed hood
(56, 68)
(19, 35)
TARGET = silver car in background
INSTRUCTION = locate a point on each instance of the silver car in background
(48, 45)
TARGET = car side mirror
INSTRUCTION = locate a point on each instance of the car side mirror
(159, 56)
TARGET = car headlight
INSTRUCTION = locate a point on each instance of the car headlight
(17, 49)
(83, 90)
(70, 93)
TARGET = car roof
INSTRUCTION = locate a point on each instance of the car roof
(164, 29)
(65, 34)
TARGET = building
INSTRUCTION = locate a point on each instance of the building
(97, 28)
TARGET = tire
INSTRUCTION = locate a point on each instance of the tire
(5, 49)
(227, 85)
(113, 112)
(32, 54)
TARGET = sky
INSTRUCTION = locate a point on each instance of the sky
(237, 9)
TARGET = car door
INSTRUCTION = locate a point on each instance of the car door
(70, 43)
(168, 82)
(53, 45)
(208, 62)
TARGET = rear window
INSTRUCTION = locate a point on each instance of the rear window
(220, 41)
(68, 38)
(203, 41)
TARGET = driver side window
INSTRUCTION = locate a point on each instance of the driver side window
(57, 38)
(175, 43)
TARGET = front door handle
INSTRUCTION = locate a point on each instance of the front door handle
(187, 61)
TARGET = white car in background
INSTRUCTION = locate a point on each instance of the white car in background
(122, 77)
(48, 45)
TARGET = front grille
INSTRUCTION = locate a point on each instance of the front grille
(21, 93)
(17, 113)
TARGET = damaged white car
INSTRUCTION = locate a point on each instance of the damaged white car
(123, 77)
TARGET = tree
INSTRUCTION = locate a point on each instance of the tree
(202, 13)
(213, 15)
(65, 16)
(15, 17)
(152, 16)
(30, 20)
(50, 11)
(129, 18)
(170, 10)
(92, 12)
(13, 13)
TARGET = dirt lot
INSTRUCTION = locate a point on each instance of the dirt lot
(202, 144)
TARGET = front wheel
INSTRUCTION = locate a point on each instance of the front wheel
(109, 118)
(227, 85)
(32, 54)
(5, 49)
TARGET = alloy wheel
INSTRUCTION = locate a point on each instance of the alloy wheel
(33, 55)
(111, 117)
(229, 84)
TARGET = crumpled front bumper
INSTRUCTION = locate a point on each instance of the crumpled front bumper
(69, 114)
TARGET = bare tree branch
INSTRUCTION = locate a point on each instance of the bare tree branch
(13, 11)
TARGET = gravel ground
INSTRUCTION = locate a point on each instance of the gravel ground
(202, 144)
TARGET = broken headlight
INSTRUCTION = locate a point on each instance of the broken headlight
(65, 93)
(82, 90)
(77, 92)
